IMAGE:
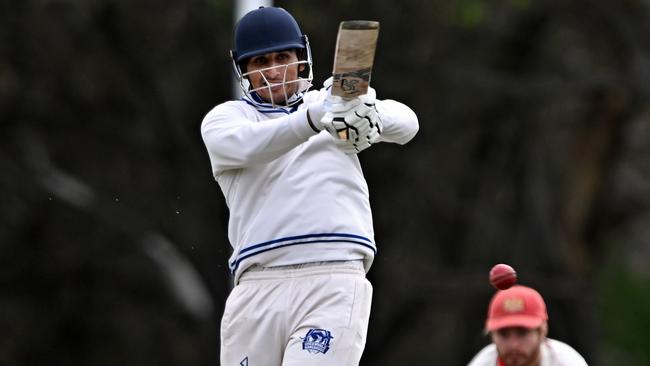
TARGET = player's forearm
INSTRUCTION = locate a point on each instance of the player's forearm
(235, 142)
(400, 123)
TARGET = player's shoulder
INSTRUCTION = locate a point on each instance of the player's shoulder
(564, 353)
(230, 106)
(229, 109)
(485, 357)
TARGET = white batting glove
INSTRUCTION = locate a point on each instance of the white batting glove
(364, 129)
(369, 97)
(320, 114)
(361, 124)
(316, 111)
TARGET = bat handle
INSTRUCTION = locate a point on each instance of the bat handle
(343, 134)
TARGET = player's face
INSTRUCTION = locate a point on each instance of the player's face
(272, 74)
(518, 346)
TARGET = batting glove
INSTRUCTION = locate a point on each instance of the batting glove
(317, 112)
(358, 128)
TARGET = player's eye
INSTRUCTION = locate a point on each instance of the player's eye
(259, 61)
(283, 56)
(503, 333)
(521, 332)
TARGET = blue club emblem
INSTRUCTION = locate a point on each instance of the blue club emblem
(317, 341)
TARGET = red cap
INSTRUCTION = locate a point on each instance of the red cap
(518, 306)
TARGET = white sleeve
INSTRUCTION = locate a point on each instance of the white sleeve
(399, 121)
(234, 141)
(486, 357)
(563, 354)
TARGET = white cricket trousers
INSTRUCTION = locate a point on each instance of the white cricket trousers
(309, 314)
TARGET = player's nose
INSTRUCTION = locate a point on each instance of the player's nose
(275, 71)
(513, 342)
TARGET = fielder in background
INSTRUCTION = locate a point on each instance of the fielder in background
(518, 324)
(300, 221)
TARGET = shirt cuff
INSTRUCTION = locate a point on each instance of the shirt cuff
(300, 124)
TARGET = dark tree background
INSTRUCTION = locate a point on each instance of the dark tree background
(534, 150)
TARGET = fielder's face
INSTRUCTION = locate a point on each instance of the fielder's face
(519, 346)
(274, 75)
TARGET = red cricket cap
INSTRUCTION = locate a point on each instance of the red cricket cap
(518, 306)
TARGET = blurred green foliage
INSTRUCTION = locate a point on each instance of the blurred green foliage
(624, 299)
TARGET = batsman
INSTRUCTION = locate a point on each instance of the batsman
(300, 222)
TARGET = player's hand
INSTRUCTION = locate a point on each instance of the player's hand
(317, 111)
(361, 125)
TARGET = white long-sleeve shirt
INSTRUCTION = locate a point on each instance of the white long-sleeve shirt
(553, 353)
(294, 197)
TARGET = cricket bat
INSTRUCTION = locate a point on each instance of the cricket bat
(353, 59)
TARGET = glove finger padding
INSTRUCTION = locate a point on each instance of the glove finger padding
(354, 125)
(350, 147)
(362, 145)
(376, 127)
(359, 125)
(341, 129)
(333, 124)
(367, 122)
(334, 120)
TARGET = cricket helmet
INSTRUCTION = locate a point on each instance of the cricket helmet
(266, 30)
(270, 29)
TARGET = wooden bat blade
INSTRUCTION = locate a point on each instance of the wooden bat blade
(354, 56)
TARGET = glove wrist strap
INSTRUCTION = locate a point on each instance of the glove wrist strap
(311, 124)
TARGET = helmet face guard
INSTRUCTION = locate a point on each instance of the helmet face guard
(303, 81)
(267, 30)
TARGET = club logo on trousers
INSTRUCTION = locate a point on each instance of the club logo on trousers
(317, 341)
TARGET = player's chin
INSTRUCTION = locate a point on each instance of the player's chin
(279, 97)
(275, 98)
(515, 359)
(277, 91)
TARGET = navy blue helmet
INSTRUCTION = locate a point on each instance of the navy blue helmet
(270, 29)
(266, 30)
